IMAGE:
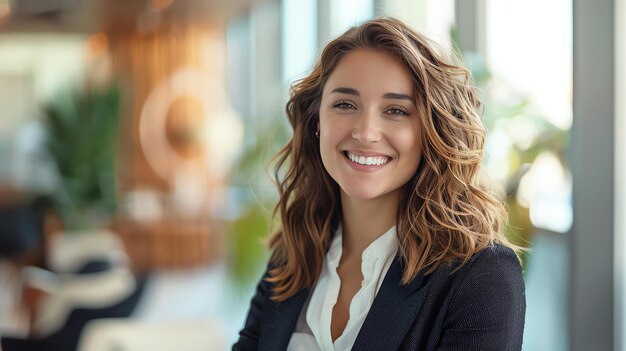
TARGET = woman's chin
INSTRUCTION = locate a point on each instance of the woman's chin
(360, 194)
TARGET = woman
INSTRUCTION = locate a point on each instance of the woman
(390, 239)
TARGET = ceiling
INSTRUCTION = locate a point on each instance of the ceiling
(88, 16)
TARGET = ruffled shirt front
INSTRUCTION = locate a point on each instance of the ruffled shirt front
(312, 332)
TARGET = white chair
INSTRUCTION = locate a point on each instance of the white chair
(68, 252)
(68, 292)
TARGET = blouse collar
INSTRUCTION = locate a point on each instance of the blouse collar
(381, 248)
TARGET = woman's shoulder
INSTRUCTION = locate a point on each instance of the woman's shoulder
(478, 305)
(494, 270)
(494, 257)
(495, 267)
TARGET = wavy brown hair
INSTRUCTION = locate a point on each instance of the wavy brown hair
(446, 211)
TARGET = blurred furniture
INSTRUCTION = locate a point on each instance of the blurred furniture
(170, 243)
(132, 335)
(90, 278)
(67, 292)
(20, 230)
(86, 269)
(68, 252)
(67, 337)
(21, 244)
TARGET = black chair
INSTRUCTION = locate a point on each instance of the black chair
(20, 230)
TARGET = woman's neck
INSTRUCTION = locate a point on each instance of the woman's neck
(364, 221)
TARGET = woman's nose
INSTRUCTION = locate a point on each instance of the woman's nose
(366, 128)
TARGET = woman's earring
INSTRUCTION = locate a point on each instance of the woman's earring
(317, 134)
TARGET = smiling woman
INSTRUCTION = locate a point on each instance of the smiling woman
(390, 237)
(367, 116)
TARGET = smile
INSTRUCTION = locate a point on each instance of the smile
(378, 160)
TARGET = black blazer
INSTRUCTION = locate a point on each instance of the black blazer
(479, 307)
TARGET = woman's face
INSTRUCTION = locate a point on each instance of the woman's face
(369, 126)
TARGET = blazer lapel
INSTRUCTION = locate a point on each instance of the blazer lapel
(393, 311)
(279, 321)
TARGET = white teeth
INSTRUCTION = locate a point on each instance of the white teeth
(376, 160)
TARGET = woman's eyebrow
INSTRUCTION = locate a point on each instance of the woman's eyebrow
(397, 96)
(351, 91)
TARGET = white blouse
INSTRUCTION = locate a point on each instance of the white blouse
(312, 332)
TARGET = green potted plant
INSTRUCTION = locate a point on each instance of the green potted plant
(81, 139)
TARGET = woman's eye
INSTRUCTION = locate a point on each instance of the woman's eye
(344, 105)
(400, 111)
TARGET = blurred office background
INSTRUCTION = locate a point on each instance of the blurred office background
(134, 136)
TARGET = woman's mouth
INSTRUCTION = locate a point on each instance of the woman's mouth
(377, 160)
